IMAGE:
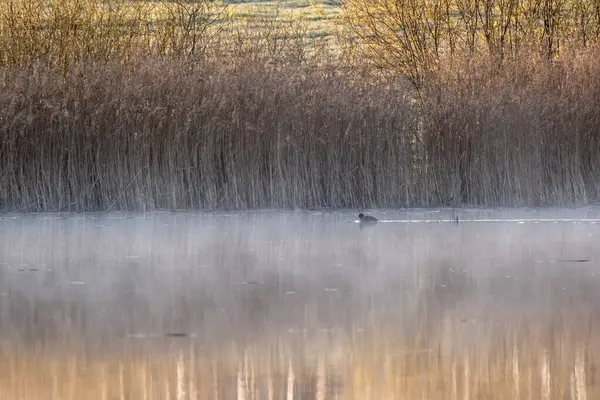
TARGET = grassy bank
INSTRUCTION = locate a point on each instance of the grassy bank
(157, 133)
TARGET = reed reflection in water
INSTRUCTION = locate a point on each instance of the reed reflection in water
(300, 305)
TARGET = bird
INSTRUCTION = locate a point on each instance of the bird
(366, 220)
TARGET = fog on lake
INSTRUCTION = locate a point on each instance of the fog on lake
(303, 304)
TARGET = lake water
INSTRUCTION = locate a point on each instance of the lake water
(301, 305)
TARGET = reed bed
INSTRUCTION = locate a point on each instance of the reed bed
(172, 134)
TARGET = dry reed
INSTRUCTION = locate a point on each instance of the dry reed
(168, 134)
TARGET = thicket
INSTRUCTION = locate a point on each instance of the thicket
(132, 105)
(416, 36)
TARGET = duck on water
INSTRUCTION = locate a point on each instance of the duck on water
(366, 220)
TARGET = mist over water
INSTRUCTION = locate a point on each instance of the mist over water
(442, 299)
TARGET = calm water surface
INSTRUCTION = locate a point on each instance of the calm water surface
(295, 305)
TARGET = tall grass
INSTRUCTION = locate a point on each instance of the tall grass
(521, 132)
(159, 133)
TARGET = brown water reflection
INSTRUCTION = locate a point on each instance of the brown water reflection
(300, 305)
